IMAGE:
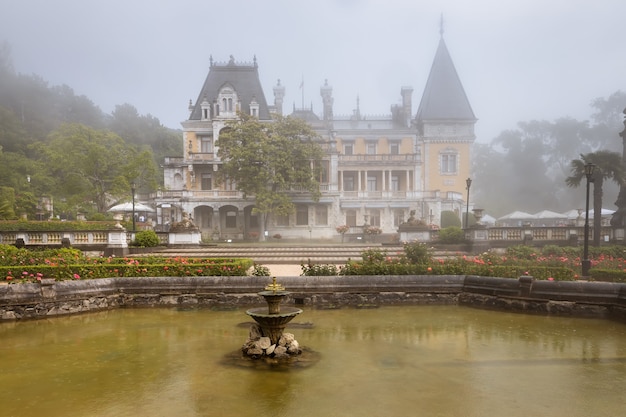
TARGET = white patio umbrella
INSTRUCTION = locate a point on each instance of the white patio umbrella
(517, 215)
(515, 218)
(547, 214)
(128, 208)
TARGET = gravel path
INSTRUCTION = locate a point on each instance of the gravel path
(277, 270)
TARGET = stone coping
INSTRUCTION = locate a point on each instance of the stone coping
(573, 298)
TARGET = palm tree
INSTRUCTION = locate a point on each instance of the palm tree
(608, 165)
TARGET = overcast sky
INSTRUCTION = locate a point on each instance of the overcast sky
(517, 59)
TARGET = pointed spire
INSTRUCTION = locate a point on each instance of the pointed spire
(444, 96)
(441, 26)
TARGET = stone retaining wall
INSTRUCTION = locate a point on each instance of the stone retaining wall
(50, 298)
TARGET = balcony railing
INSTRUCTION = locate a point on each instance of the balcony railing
(201, 156)
(384, 158)
(324, 188)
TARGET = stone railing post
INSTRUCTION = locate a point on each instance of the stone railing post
(117, 244)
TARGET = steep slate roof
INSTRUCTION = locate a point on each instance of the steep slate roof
(444, 97)
(244, 78)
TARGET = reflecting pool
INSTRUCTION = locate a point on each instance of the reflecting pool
(388, 361)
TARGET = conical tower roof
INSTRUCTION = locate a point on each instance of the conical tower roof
(444, 97)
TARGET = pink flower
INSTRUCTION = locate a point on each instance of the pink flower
(76, 276)
(550, 279)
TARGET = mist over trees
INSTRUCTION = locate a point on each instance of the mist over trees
(54, 143)
(523, 168)
(526, 168)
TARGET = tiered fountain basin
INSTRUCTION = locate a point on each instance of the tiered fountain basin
(273, 324)
(267, 338)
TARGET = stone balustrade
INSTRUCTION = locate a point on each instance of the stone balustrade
(115, 241)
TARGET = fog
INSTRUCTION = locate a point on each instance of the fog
(518, 60)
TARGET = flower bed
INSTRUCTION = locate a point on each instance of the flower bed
(553, 263)
(22, 265)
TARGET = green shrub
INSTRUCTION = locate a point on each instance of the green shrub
(452, 234)
(449, 219)
(522, 252)
(260, 271)
(54, 225)
(417, 253)
(373, 255)
(311, 270)
(608, 275)
(146, 239)
(552, 250)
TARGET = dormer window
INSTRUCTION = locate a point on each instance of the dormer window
(227, 102)
(206, 114)
(254, 108)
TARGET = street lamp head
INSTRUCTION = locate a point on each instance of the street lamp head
(468, 182)
(589, 168)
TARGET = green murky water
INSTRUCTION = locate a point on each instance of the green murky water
(390, 361)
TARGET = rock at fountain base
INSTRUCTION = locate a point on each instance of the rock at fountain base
(258, 346)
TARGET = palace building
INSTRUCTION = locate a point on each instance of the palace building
(377, 169)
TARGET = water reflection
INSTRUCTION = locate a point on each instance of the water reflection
(436, 361)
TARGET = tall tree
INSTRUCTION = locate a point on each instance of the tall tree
(270, 160)
(94, 166)
(608, 166)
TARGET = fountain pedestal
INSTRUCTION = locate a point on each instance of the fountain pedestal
(271, 320)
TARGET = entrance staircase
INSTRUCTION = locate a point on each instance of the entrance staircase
(287, 254)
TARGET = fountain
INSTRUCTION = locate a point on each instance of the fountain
(267, 337)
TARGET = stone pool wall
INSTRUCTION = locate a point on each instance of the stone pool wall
(50, 298)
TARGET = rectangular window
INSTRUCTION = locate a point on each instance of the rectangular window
(231, 219)
(254, 221)
(347, 149)
(206, 144)
(394, 148)
(370, 148)
(321, 215)
(206, 183)
(282, 220)
(448, 163)
(398, 217)
(302, 215)
(351, 218)
(371, 183)
(395, 183)
(230, 185)
(348, 182)
(374, 219)
(324, 172)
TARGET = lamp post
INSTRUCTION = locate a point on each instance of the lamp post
(468, 183)
(132, 189)
(586, 263)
